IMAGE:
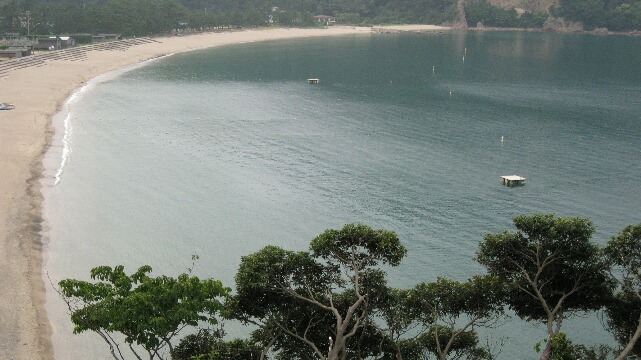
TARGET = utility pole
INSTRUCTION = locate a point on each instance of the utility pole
(28, 23)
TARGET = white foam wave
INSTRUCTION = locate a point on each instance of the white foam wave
(66, 139)
(66, 150)
(68, 128)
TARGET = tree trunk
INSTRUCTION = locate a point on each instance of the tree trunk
(547, 351)
(335, 350)
(399, 356)
(635, 337)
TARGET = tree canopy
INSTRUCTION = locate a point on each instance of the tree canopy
(148, 311)
(448, 311)
(333, 301)
(550, 266)
(313, 304)
(207, 344)
(623, 254)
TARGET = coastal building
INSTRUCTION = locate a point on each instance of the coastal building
(324, 19)
(55, 43)
(16, 52)
(105, 37)
(11, 41)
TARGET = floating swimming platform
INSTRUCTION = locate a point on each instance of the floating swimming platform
(513, 180)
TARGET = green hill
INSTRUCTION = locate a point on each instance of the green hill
(147, 17)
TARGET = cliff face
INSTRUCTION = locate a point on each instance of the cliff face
(527, 5)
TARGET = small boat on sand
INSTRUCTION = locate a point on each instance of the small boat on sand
(4, 106)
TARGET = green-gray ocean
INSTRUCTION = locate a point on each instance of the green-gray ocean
(221, 152)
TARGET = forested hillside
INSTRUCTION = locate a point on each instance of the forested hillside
(145, 17)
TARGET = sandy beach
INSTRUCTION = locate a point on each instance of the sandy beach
(38, 86)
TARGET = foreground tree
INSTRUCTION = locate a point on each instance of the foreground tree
(448, 311)
(209, 344)
(551, 267)
(148, 311)
(318, 304)
(623, 254)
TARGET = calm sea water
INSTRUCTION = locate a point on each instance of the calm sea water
(221, 152)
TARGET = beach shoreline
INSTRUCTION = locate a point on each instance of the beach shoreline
(40, 86)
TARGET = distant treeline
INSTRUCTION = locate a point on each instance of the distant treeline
(146, 17)
(615, 15)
